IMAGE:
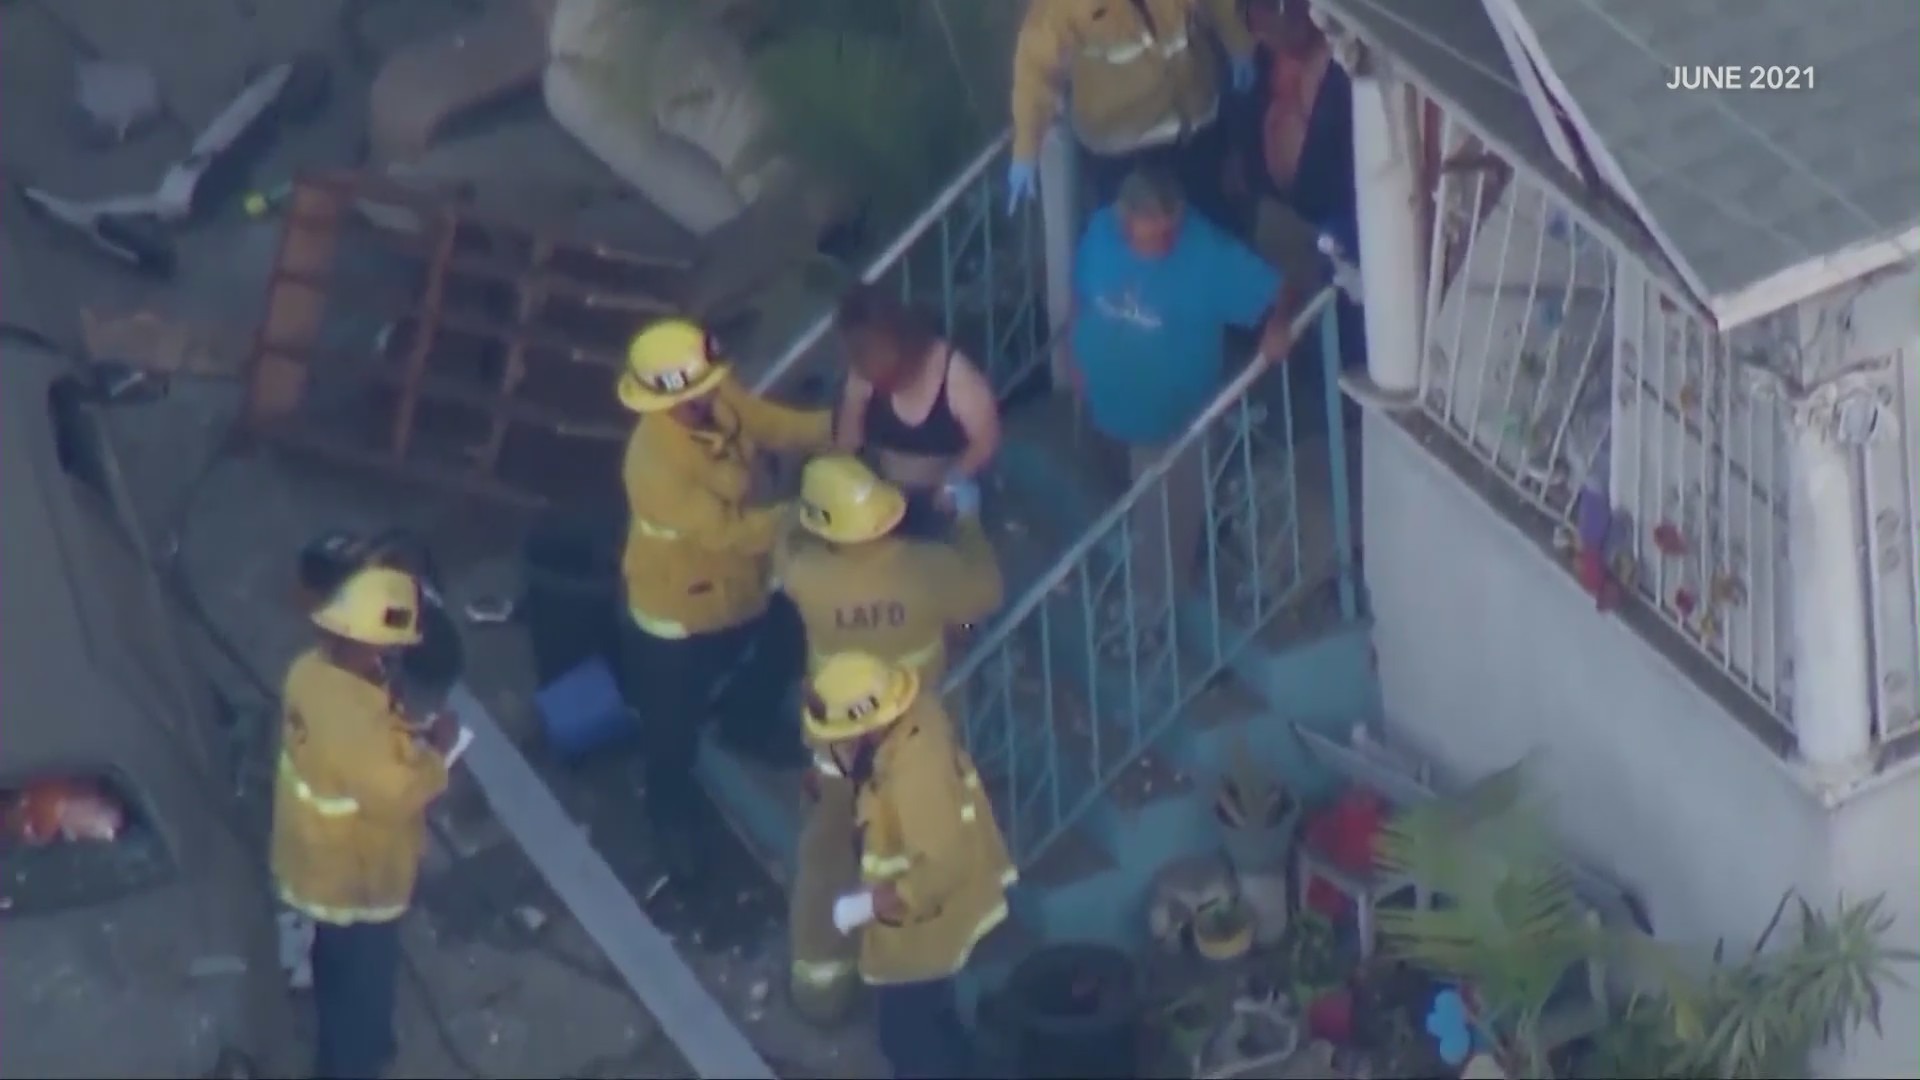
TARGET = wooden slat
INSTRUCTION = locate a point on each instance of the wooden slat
(423, 337)
(644, 957)
(514, 370)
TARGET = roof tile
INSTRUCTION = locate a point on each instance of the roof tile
(1743, 184)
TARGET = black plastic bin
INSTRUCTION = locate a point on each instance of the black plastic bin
(1075, 1009)
(570, 577)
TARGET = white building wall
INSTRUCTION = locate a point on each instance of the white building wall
(1874, 851)
(1489, 652)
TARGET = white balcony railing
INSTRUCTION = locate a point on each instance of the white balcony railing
(1610, 405)
(1891, 477)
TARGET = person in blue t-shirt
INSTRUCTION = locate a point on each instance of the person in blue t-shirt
(1155, 289)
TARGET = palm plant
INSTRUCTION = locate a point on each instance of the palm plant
(1508, 923)
(1763, 1015)
(1510, 927)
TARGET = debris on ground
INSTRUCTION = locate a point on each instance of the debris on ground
(118, 98)
(162, 343)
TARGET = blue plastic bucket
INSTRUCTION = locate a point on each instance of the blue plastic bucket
(582, 711)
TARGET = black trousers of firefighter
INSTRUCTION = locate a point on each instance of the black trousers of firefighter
(921, 1033)
(744, 677)
(355, 967)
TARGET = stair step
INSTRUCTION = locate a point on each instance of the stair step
(1009, 943)
(1055, 426)
(1052, 463)
(763, 805)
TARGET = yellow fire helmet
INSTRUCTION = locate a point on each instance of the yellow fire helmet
(377, 606)
(842, 501)
(854, 694)
(669, 362)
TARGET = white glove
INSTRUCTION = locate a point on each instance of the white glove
(852, 911)
(1346, 275)
(460, 743)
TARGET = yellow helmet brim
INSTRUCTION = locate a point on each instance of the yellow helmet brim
(382, 637)
(640, 398)
(880, 517)
(902, 688)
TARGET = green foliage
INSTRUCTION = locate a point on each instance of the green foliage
(883, 100)
(876, 101)
(1310, 957)
(1512, 928)
(1763, 1015)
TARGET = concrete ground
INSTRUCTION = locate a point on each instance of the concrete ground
(501, 981)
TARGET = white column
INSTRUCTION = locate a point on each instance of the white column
(1059, 229)
(1832, 677)
(1391, 247)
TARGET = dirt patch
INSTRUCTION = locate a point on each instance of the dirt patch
(1149, 779)
(1072, 856)
(1314, 611)
(1226, 700)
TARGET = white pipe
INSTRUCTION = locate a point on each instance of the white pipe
(1832, 680)
(1390, 256)
(1059, 230)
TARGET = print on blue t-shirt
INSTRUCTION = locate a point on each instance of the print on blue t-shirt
(1147, 333)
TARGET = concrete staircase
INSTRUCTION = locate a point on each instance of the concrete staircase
(1102, 760)
(1111, 816)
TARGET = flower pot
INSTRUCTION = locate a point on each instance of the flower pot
(1077, 1010)
(1258, 820)
(1330, 1016)
(1268, 898)
(1223, 932)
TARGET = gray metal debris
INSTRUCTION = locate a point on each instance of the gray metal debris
(117, 96)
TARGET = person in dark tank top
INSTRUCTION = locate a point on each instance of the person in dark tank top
(914, 406)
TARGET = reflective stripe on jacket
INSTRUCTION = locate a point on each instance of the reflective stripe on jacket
(1131, 82)
(927, 830)
(697, 550)
(351, 790)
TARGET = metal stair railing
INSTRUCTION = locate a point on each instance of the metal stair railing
(966, 259)
(1050, 744)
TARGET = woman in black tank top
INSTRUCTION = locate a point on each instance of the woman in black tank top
(913, 404)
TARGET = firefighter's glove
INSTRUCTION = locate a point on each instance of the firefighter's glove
(1021, 183)
(1243, 74)
(963, 496)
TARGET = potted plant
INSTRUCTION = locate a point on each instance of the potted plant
(1391, 1000)
(1316, 973)
(1764, 1013)
(1259, 819)
(1258, 814)
(1222, 930)
(1510, 930)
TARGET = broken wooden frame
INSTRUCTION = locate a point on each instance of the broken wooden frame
(404, 334)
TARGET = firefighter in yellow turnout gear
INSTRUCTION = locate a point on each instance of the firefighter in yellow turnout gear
(859, 586)
(703, 637)
(349, 810)
(1141, 82)
(934, 869)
